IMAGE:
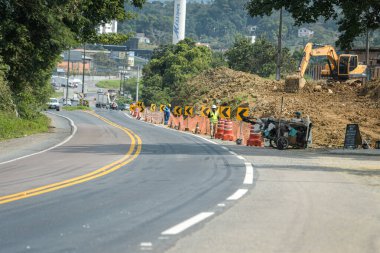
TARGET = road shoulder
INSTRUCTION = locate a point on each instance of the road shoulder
(59, 130)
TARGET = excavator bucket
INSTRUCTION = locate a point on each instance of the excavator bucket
(294, 83)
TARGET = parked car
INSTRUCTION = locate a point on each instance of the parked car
(66, 103)
(54, 104)
(100, 91)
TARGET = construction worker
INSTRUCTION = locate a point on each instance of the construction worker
(167, 113)
(297, 117)
(213, 115)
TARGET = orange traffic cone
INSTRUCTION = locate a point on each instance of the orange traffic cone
(255, 139)
(220, 131)
(228, 134)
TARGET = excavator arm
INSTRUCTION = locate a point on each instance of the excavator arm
(295, 82)
(325, 50)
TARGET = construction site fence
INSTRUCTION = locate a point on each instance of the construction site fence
(195, 124)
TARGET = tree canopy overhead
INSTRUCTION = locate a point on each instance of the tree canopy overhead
(354, 17)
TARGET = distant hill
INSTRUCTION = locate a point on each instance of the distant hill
(218, 22)
(188, 1)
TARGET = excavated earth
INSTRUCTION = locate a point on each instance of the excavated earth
(330, 106)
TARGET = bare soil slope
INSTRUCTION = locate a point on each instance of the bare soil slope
(330, 107)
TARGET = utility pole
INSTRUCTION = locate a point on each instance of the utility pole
(367, 55)
(84, 63)
(121, 79)
(68, 76)
(137, 84)
(278, 70)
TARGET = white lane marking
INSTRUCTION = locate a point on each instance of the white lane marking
(73, 132)
(233, 153)
(223, 147)
(221, 205)
(238, 194)
(248, 174)
(146, 244)
(129, 116)
(187, 224)
(240, 157)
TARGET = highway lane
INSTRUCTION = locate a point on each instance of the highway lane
(88, 149)
(175, 177)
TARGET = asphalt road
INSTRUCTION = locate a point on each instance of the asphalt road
(174, 177)
(302, 201)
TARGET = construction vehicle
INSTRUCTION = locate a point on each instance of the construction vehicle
(339, 67)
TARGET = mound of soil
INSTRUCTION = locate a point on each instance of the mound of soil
(329, 106)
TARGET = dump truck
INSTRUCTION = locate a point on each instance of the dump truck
(339, 67)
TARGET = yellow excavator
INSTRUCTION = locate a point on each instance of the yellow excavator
(339, 67)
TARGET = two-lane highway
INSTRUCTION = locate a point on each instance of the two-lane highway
(161, 193)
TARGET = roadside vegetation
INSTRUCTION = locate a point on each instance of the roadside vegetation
(14, 127)
(31, 46)
(76, 108)
(57, 94)
(109, 84)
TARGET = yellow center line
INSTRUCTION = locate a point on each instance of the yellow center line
(127, 158)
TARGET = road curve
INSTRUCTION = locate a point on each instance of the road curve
(174, 177)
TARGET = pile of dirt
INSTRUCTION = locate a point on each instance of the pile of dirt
(329, 106)
(371, 90)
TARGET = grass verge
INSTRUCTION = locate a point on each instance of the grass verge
(13, 127)
(109, 84)
(75, 108)
(57, 94)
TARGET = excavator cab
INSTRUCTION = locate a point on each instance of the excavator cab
(349, 67)
(344, 66)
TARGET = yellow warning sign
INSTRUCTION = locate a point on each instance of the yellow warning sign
(177, 111)
(189, 111)
(225, 112)
(140, 104)
(205, 111)
(162, 107)
(242, 112)
(152, 107)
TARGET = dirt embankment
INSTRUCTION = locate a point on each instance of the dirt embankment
(330, 107)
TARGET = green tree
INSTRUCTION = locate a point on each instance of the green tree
(258, 58)
(34, 33)
(171, 65)
(354, 17)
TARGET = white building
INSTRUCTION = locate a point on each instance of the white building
(304, 32)
(252, 39)
(108, 27)
(142, 38)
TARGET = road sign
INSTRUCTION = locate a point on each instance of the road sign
(242, 112)
(140, 104)
(178, 110)
(132, 107)
(153, 107)
(189, 111)
(162, 107)
(225, 112)
(142, 108)
(352, 137)
(205, 111)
